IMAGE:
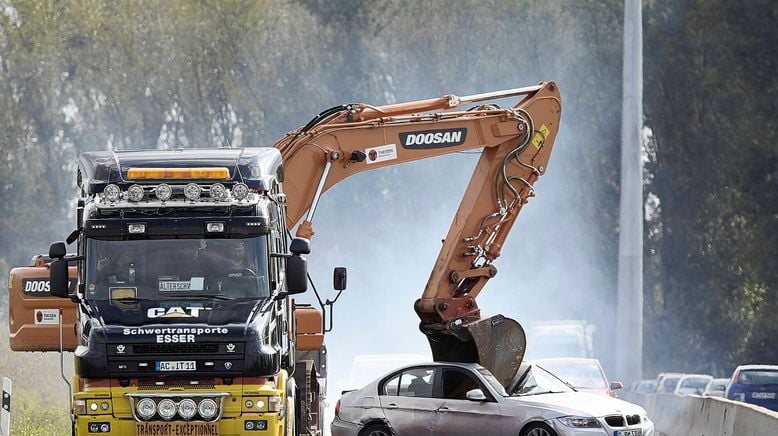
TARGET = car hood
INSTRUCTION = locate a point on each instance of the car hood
(577, 404)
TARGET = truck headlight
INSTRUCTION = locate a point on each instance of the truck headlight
(274, 404)
(187, 408)
(135, 193)
(146, 408)
(112, 193)
(166, 409)
(217, 192)
(163, 191)
(192, 191)
(240, 191)
(207, 408)
(579, 422)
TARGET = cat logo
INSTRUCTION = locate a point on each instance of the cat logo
(175, 312)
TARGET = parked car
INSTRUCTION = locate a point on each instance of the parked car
(583, 374)
(716, 387)
(645, 387)
(459, 399)
(755, 384)
(692, 384)
(667, 381)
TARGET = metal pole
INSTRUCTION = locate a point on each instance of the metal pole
(629, 316)
(5, 411)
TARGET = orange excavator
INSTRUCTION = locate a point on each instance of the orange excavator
(178, 303)
(516, 144)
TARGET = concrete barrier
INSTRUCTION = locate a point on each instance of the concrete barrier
(693, 415)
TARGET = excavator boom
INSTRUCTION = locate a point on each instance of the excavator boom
(516, 144)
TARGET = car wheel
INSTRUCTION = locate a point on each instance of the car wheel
(538, 429)
(376, 430)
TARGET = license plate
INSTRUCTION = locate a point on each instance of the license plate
(174, 428)
(635, 432)
(763, 395)
(176, 365)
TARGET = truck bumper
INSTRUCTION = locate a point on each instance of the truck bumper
(226, 426)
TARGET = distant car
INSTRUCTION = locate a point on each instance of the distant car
(667, 381)
(692, 384)
(583, 374)
(716, 387)
(463, 399)
(645, 387)
(755, 384)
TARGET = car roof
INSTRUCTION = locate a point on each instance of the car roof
(748, 367)
(697, 376)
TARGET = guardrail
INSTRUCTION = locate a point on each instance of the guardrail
(693, 415)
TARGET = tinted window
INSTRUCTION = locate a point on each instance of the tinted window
(456, 384)
(758, 377)
(390, 386)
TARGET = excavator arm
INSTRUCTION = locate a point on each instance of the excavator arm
(516, 144)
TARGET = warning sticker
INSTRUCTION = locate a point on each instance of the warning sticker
(540, 136)
(381, 153)
(46, 316)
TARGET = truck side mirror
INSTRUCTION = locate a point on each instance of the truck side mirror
(296, 274)
(339, 278)
(300, 246)
(57, 250)
(58, 277)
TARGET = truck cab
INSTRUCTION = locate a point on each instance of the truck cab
(180, 295)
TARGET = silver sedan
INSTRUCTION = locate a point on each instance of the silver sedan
(460, 399)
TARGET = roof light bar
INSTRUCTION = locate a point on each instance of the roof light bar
(200, 173)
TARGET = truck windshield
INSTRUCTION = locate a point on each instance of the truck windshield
(177, 269)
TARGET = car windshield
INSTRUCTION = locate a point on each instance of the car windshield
(539, 381)
(758, 377)
(193, 270)
(695, 383)
(580, 375)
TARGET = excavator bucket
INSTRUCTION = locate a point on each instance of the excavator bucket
(497, 343)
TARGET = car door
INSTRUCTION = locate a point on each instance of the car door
(458, 416)
(407, 401)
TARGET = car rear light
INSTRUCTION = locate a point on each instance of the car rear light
(337, 408)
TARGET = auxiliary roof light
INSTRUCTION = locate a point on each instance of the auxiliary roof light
(135, 193)
(214, 227)
(136, 228)
(163, 192)
(192, 191)
(218, 192)
(112, 193)
(203, 173)
(146, 408)
(240, 191)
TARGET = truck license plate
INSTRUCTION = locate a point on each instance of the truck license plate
(176, 365)
(636, 432)
(175, 428)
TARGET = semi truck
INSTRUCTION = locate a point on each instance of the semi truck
(179, 300)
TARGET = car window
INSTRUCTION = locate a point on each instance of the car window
(695, 383)
(539, 381)
(456, 383)
(758, 377)
(414, 382)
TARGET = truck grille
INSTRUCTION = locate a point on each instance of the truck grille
(175, 348)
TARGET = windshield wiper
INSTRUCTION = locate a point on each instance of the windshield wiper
(541, 392)
(129, 299)
(220, 297)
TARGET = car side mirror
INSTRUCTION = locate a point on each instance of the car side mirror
(339, 278)
(616, 385)
(57, 250)
(58, 278)
(476, 395)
